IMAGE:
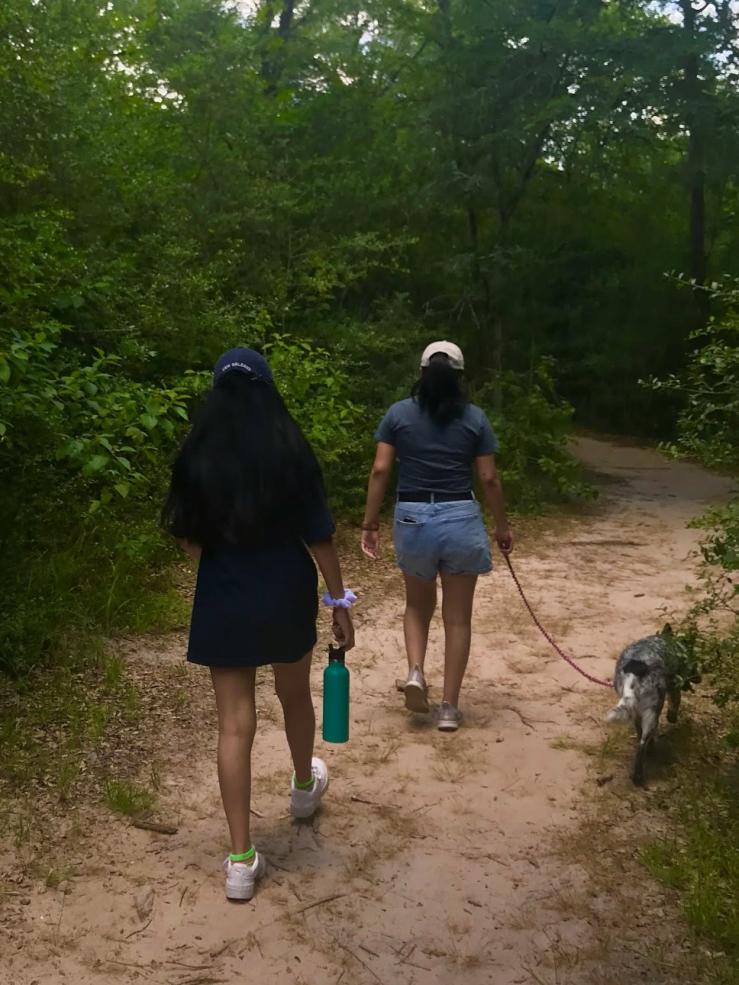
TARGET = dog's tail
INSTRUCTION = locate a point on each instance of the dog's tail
(624, 710)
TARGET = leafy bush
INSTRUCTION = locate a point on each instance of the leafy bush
(534, 428)
(315, 384)
(82, 454)
(681, 655)
(708, 425)
(103, 430)
(708, 430)
(699, 859)
(719, 601)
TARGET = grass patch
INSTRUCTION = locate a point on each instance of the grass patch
(565, 743)
(684, 828)
(52, 876)
(61, 691)
(700, 857)
(128, 798)
(51, 718)
(83, 587)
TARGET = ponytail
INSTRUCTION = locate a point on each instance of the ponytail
(440, 391)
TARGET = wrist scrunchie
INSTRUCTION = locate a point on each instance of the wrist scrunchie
(346, 603)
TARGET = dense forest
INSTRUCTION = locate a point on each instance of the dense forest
(552, 183)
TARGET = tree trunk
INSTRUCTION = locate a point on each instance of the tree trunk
(695, 166)
(273, 59)
(488, 319)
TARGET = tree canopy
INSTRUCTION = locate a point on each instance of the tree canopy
(343, 181)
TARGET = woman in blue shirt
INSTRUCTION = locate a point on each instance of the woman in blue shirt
(437, 437)
(247, 499)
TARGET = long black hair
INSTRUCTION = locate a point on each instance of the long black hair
(440, 391)
(245, 473)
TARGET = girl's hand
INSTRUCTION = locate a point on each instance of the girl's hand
(343, 628)
(504, 540)
(371, 543)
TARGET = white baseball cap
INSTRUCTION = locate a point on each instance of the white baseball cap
(448, 349)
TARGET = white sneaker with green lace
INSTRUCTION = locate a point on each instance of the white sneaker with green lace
(241, 877)
(304, 803)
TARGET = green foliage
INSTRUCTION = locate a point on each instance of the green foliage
(316, 385)
(700, 859)
(681, 655)
(719, 602)
(128, 798)
(721, 548)
(720, 660)
(55, 715)
(534, 427)
(83, 457)
(708, 424)
(717, 608)
(104, 431)
(708, 430)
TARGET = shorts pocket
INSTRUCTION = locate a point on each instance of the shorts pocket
(414, 545)
(408, 532)
(466, 549)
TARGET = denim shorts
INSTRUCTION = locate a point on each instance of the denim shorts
(434, 537)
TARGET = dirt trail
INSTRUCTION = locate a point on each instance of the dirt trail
(434, 855)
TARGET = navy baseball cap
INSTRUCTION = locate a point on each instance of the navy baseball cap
(242, 360)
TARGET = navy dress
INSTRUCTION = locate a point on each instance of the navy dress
(256, 606)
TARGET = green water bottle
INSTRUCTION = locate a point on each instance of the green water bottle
(336, 697)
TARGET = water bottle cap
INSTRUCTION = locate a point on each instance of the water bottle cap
(336, 653)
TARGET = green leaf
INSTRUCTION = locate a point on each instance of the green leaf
(149, 421)
(95, 464)
(122, 488)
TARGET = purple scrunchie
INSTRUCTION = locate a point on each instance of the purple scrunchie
(346, 603)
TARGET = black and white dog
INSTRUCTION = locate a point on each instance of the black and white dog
(642, 683)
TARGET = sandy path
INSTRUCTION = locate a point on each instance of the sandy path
(433, 856)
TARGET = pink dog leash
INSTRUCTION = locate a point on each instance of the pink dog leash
(545, 634)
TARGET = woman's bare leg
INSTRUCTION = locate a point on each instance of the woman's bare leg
(456, 610)
(237, 725)
(420, 603)
(292, 684)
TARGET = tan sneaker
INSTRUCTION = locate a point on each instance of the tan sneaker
(450, 718)
(416, 692)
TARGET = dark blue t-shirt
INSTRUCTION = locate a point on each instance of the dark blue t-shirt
(433, 458)
(318, 524)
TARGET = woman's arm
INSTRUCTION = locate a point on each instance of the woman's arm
(328, 563)
(376, 489)
(493, 494)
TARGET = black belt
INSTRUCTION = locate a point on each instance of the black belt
(429, 497)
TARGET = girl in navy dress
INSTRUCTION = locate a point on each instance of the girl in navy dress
(247, 500)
